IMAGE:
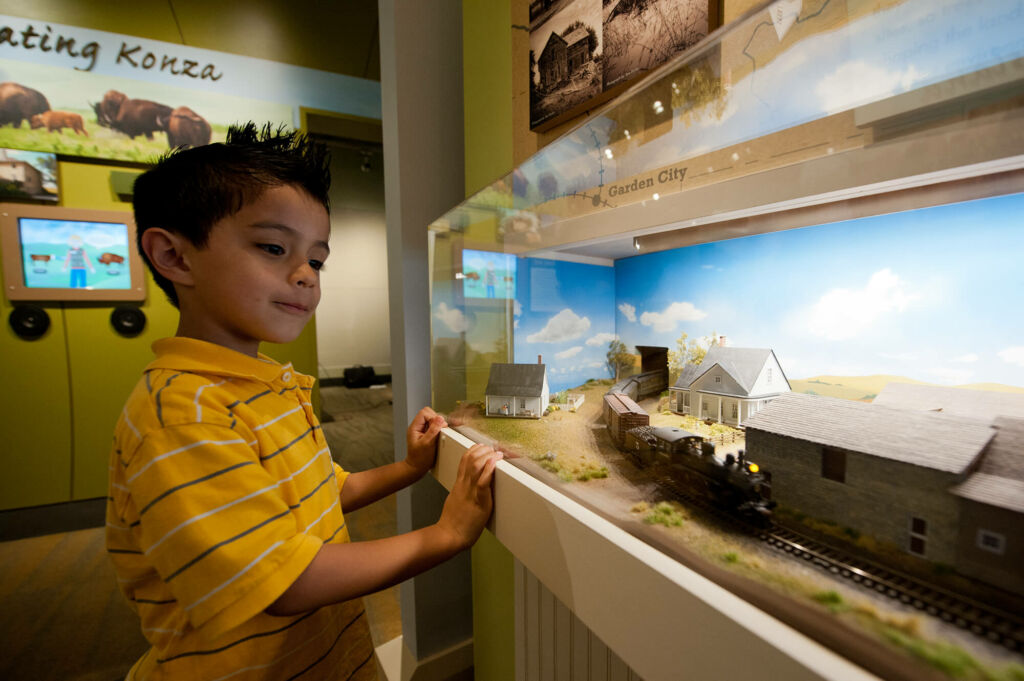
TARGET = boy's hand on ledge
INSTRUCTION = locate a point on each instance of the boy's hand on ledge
(469, 504)
(421, 440)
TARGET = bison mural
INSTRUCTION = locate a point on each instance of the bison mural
(19, 103)
(186, 128)
(58, 120)
(133, 117)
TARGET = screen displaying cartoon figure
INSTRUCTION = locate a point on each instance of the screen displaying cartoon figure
(486, 274)
(74, 254)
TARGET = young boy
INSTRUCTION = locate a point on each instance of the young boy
(226, 518)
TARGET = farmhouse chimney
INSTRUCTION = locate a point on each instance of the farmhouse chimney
(722, 341)
(539, 361)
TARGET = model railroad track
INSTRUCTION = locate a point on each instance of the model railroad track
(983, 620)
(1000, 627)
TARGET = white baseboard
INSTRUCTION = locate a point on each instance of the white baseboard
(395, 662)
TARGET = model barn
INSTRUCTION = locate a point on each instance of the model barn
(517, 391)
(946, 488)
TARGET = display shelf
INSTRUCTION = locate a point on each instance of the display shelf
(811, 210)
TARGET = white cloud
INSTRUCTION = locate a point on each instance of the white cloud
(571, 352)
(1013, 355)
(900, 356)
(672, 315)
(951, 376)
(600, 339)
(564, 326)
(517, 308)
(452, 318)
(594, 365)
(969, 358)
(857, 82)
(843, 313)
(629, 311)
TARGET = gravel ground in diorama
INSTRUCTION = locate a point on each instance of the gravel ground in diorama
(827, 420)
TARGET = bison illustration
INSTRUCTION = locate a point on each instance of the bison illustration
(133, 117)
(19, 103)
(108, 258)
(186, 128)
(58, 120)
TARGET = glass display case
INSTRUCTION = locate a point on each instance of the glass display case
(762, 313)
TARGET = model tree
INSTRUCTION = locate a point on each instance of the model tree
(688, 351)
(618, 358)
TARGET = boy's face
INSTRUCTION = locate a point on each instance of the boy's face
(258, 276)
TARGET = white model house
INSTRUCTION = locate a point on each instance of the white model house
(517, 391)
(730, 385)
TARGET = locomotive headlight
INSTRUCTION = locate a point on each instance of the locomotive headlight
(753, 467)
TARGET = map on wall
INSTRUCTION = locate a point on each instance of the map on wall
(80, 92)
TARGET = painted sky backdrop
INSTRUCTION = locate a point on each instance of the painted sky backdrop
(933, 294)
(565, 312)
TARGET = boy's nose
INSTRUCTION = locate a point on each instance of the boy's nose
(304, 275)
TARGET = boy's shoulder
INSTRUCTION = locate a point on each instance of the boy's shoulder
(192, 383)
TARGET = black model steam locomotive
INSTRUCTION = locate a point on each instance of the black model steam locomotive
(691, 468)
(686, 462)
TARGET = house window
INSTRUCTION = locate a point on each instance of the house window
(686, 399)
(718, 379)
(991, 541)
(833, 464)
(918, 535)
(769, 374)
(735, 410)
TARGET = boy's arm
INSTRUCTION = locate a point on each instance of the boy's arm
(343, 571)
(365, 487)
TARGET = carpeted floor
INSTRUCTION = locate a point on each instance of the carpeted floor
(63, 617)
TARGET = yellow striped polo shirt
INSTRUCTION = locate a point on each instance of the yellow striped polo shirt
(222, 490)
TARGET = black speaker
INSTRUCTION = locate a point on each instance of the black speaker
(29, 322)
(128, 321)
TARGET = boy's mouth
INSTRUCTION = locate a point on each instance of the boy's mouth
(294, 307)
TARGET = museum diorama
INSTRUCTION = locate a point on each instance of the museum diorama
(762, 311)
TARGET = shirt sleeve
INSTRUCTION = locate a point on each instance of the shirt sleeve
(214, 524)
(341, 474)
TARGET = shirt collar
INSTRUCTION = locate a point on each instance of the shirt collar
(190, 354)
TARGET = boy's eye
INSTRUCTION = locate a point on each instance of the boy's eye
(273, 249)
(316, 264)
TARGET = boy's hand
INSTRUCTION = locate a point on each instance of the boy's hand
(421, 439)
(469, 504)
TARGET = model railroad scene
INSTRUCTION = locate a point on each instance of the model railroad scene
(730, 465)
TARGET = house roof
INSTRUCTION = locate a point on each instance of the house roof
(978, 404)
(928, 439)
(992, 490)
(743, 364)
(526, 380)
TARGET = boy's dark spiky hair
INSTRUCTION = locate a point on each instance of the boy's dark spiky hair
(189, 190)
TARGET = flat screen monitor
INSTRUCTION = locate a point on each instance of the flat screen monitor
(53, 253)
(487, 274)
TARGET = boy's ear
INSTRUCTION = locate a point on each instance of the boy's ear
(167, 252)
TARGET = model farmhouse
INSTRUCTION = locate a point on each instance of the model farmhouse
(730, 385)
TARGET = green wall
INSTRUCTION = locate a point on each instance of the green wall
(63, 392)
(487, 82)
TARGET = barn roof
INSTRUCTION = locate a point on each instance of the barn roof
(992, 490)
(743, 364)
(978, 404)
(576, 36)
(999, 480)
(928, 439)
(524, 380)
